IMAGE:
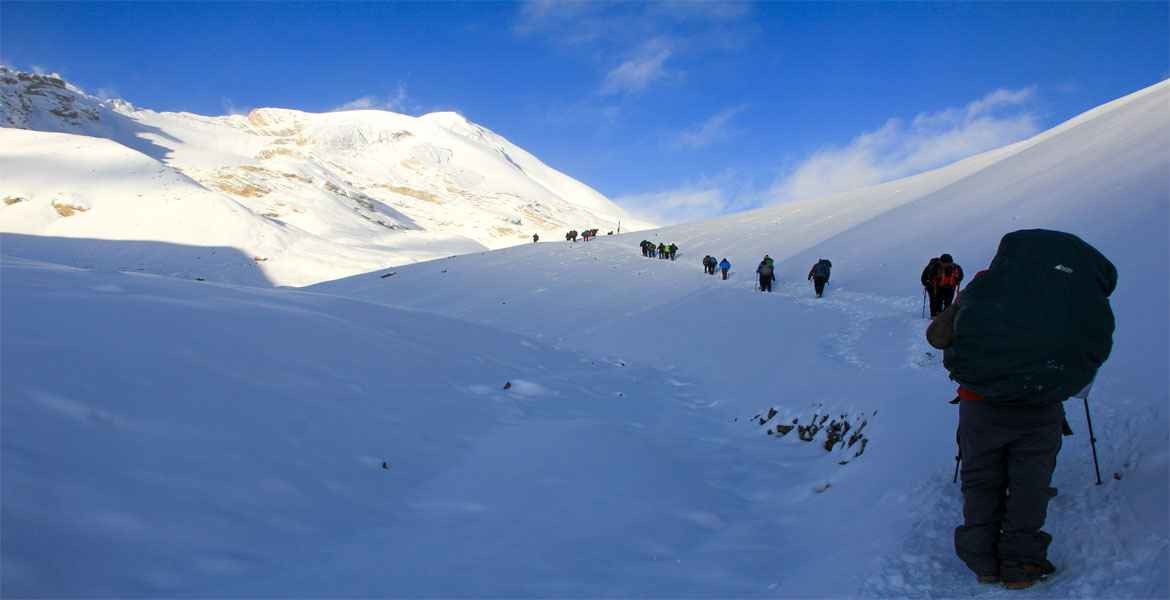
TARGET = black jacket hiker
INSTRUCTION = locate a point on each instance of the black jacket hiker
(767, 275)
(1027, 334)
(819, 275)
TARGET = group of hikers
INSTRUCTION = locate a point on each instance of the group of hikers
(710, 263)
(766, 272)
(1027, 333)
(586, 235)
(572, 235)
(662, 250)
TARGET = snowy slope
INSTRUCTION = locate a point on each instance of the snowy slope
(66, 197)
(164, 437)
(382, 188)
(1104, 176)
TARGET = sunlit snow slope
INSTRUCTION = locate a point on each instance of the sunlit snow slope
(341, 192)
(574, 420)
(1104, 175)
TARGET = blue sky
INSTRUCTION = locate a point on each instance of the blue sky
(678, 110)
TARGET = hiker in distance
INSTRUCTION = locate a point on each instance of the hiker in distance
(725, 267)
(709, 264)
(819, 275)
(535, 238)
(662, 251)
(672, 250)
(1027, 334)
(941, 278)
(767, 273)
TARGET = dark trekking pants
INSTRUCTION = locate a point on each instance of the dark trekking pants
(765, 283)
(724, 274)
(819, 284)
(1008, 456)
(940, 299)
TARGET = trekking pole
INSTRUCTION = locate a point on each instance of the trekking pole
(1092, 438)
(923, 303)
(958, 457)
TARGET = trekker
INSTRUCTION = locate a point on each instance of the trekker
(941, 278)
(662, 251)
(819, 275)
(673, 248)
(1016, 360)
(535, 238)
(767, 273)
(707, 270)
(725, 267)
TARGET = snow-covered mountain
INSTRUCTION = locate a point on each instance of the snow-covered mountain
(338, 193)
(576, 420)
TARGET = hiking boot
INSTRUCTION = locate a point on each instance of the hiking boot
(988, 578)
(1022, 584)
(1023, 575)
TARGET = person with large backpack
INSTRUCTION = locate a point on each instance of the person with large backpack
(819, 275)
(1027, 334)
(767, 273)
(662, 251)
(709, 264)
(941, 278)
(672, 249)
(725, 267)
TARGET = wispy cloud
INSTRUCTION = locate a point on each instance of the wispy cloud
(714, 129)
(398, 101)
(639, 71)
(899, 148)
(107, 93)
(231, 108)
(675, 206)
(704, 198)
(615, 34)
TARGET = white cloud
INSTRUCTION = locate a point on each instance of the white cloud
(710, 131)
(675, 206)
(612, 33)
(704, 198)
(898, 149)
(639, 71)
(397, 101)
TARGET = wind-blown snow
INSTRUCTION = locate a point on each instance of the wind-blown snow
(166, 437)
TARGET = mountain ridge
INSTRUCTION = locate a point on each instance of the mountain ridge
(362, 179)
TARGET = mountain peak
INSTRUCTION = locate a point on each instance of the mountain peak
(359, 190)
